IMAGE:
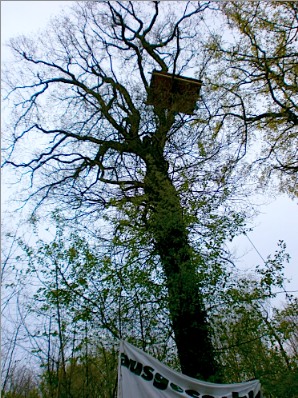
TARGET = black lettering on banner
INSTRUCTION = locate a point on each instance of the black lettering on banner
(147, 373)
(135, 367)
(192, 393)
(124, 360)
(176, 388)
(160, 382)
(250, 395)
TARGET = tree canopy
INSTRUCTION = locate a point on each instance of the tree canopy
(261, 73)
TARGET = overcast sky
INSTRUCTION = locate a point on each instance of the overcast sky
(278, 220)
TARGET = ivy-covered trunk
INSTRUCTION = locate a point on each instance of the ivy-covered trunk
(187, 312)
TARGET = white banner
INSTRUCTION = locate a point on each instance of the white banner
(142, 376)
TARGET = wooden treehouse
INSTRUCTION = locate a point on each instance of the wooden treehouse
(174, 92)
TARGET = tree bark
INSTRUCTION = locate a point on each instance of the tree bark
(187, 313)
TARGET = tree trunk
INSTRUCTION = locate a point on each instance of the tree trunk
(187, 312)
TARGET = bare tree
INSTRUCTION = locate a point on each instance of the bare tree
(105, 143)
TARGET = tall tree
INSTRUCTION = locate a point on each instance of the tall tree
(104, 141)
(81, 93)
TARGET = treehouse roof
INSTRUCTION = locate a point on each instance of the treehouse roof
(174, 92)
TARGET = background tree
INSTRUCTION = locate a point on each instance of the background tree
(256, 346)
(259, 84)
(19, 373)
(101, 298)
